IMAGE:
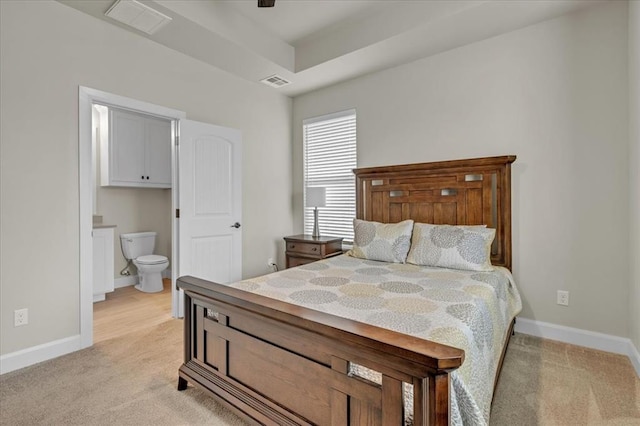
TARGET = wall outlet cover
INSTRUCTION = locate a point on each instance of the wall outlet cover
(563, 298)
(20, 317)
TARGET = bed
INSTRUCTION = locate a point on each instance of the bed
(352, 340)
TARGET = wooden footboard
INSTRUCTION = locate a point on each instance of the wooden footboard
(276, 363)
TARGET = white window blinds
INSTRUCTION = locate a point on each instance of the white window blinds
(329, 160)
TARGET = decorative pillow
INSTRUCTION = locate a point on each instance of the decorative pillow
(387, 242)
(456, 247)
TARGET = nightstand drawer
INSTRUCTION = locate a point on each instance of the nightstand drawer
(305, 248)
(297, 261)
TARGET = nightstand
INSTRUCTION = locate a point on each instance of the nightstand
(302, 249)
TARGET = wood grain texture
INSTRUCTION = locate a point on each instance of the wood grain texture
(291, 376)
(303, 249)
(127, 310)
(278, 363)
(440, 193)
(438, 407)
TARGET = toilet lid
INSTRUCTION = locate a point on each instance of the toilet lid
(151, 259)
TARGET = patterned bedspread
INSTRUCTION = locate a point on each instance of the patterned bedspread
(465, 309)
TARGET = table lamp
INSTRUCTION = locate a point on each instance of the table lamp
(316, 197)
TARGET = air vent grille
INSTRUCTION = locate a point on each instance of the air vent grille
(275, 81)
(137, 15)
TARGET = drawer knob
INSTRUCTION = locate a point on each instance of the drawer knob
(315, 249)
(293, 246)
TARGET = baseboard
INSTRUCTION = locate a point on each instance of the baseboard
(125, 281)
(579, 337)
(575, 336)
(128, 280)
(33, 355)
(634, 356)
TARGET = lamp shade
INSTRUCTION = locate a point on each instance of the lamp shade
(316, 196)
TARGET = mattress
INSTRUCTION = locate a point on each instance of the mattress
(465, 309)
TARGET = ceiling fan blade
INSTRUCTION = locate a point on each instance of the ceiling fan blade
(266, 3)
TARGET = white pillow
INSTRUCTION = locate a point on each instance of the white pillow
(456, 247)
(386, 242)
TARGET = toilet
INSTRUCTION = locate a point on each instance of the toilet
(138, 247)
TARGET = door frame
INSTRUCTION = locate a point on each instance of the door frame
(86, 98)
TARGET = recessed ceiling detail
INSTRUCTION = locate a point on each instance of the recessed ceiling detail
(306, 45)
(137, 15)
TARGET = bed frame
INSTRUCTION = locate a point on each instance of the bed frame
(275, 363)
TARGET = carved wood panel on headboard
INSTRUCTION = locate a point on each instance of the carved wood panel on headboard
(459, 192)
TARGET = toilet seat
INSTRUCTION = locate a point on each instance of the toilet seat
(151, 259)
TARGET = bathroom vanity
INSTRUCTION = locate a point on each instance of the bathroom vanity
(103, 281)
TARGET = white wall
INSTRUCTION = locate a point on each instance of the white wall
(634, 164)
(136, 210)
(554, 94)
(47, 51)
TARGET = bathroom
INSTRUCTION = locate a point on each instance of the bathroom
(130, 209)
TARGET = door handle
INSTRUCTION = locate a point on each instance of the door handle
(236, 225)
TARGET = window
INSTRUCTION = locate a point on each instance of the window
(329, 160)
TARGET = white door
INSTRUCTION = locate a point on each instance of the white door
(210, 203)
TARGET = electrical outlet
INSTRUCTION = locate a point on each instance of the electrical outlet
(563, 298)
(273, 267)
(20, 317)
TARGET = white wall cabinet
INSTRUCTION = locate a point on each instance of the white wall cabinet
(103, 281)
(137, 151)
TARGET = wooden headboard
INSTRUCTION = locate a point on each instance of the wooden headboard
(459, 192)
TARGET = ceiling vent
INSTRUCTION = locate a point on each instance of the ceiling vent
(137, 15)
(275, 81)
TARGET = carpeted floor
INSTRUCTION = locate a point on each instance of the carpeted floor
(544, 382)
(132, 380)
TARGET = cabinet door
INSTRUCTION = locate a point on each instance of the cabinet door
(126, 147)
(99, 267)
(158, 151)
(103, 281)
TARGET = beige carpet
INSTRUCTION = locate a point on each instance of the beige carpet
(132, 380)
(544, 382)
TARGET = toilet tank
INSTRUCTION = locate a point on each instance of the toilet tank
(137, 244)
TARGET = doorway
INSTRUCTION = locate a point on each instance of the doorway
(87, 98)
(206, 233)
(131, 194)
